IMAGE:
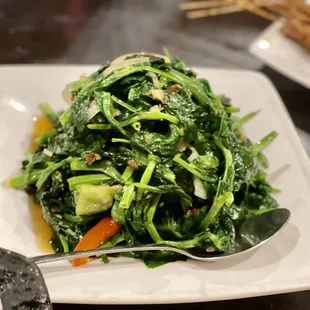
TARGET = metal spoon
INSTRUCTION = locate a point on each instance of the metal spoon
(252, 233)
(16, 268)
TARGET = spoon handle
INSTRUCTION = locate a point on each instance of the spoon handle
(101, 251)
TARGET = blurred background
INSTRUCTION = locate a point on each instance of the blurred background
(94, 31)
(80, 31)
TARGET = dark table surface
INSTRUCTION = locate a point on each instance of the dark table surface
(91, 32)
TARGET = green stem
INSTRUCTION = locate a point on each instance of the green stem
(112, 241)
(104, 166)
(128, 196)
(193, 169)
(149, 188)
(218, 203)
(49, 112)
(127, 174)
(231, 110)
(49, 170)
(136, 126)
(150, 116)
(262, 160)
(263, 143)
(28, 171)
(94, 179)
(45, 135)
(64, 243)
(224, 189)
(240, 122)
(195, 242)
(19, 181)
(65, 117)
(123, 104)
(103, 100)
(119, 140)
(77, 218)
(149, 225)
(99, 126)
(229, 173)
(167, 53)
(146, 177)
(260, 211)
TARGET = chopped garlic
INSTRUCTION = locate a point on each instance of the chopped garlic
(156, 108)
(47, 152)
(154, 79)
(194, 154)
(158, 94)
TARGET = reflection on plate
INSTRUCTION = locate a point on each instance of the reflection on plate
(282, 265)
(283, 54)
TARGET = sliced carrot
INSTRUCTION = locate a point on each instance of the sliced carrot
(101, 232)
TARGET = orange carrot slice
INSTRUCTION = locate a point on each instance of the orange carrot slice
(101, 232)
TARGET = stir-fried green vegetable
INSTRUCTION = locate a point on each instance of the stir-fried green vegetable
(147, 142)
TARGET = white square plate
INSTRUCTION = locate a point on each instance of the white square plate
(283, 54)
(283, 265)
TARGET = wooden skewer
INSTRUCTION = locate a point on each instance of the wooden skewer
(262, 13)
(214, 11)
(300, 5)
(271, 5)
(206, 4)
(203, 4)
(261, 8)
(274, 6)
(254, 9)
(278, 10)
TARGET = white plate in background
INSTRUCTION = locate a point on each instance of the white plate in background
(282, 265)
(283, 54)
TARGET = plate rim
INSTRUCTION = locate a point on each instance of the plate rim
(254, 51)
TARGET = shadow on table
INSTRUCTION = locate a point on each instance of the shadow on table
(295, 301)
(39, 30)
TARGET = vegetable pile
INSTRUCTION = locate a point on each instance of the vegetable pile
(146, 153)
